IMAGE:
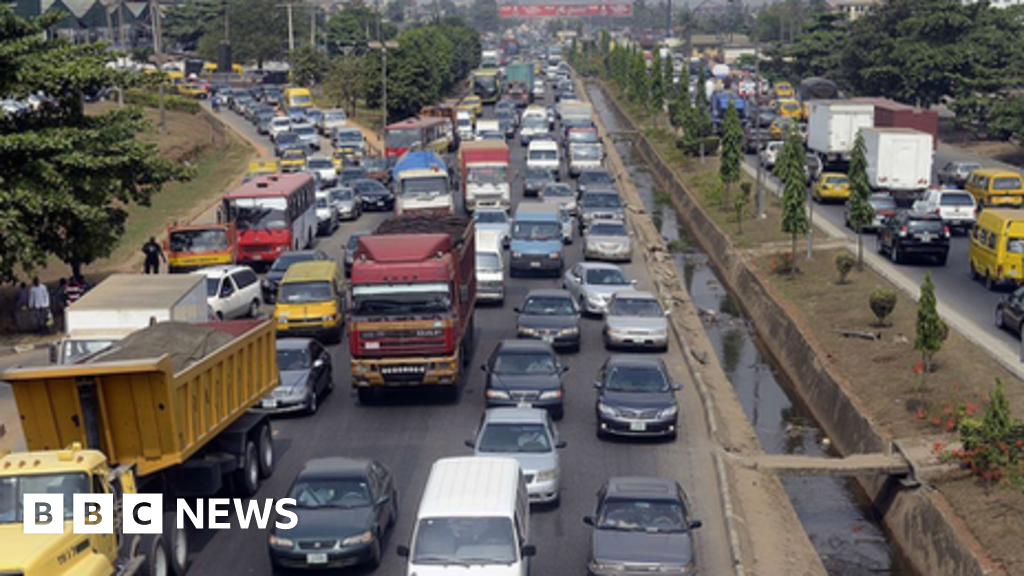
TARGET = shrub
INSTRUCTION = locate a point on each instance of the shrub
(844, 265)
(151, 99)
(693, 148)
(883, 302)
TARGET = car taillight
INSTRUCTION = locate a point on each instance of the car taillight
(903, 231)
(945, 230)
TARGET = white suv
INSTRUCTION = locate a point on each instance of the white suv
(770, 153)
(232, 292)
(278, 125)
(956, 207)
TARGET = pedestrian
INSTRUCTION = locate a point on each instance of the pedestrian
(20, 303)
(153, 254)
(74, 290)
(39, 303)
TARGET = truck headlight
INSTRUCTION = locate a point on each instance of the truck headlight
(551, 395)
(278, 542)
(364, 538)
(497, 394)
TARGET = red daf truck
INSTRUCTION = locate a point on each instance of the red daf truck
(413, 290)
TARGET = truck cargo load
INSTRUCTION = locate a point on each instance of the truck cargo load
(720, 103)
(421, 183)
(899, 160)
(124, 303)
(832, 127)
(413, 290)
(893, 114)
(519, 83)
(483, 174)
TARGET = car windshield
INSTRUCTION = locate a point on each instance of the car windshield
(401, 299)
(320, 164)
(285, 260)
(535, 155)
(602, 201)
(287, 138)
(549, 306)
(557, 190)
(514, 438)
(14, 488)
(523, 362)
(641, 515)
(644, 307)
(199, 241)
(607, 229)
(538, 174)
(304, 130)
(930, 226)
(595, 178)
(636, 379)
(606, 277)
(582, 136)
(341, 195)
(490, 216)
(487, 175)
(305, 292)
(290, 359)
(464, 541)
(331, 493)
(586, 152)
(536, 231)
(535, 123)
(487, 261)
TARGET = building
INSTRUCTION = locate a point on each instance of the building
(91, 20)
(853, 9)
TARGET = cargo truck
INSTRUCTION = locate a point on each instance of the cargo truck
(519, 83)
(413, 290)
(899, 162)
(832, 127)
(720, 103)
(483, 174)
(421, 183)
(165, 411)
(124, 303)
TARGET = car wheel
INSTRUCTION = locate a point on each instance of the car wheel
(1000, 320)
(375, 553)
(941, 260)
(254, 309)
(220, 316)
(974, 271)
(894, 253)
(314, 403)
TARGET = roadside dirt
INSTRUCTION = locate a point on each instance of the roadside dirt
(1008, 152)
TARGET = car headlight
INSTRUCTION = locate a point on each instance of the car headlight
(328, 318)
(595, 300)
(517, 254)
(569, 331)
(364, 538)
(547, 475)
(527, 331)
(551, 395)
(555, 255)
(606, 410)
(278, 542)
(668, 412)
(497, 394)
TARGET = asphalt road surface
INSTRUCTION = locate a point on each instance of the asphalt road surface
(409, 431)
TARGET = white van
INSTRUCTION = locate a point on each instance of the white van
(490, 267)
(473, 520)
(543, 154)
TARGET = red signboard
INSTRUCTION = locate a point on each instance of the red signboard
(548, 10)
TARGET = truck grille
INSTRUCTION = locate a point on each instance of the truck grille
(403, 372)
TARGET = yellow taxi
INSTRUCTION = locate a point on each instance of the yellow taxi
(310, 301)
(783, 90)
(293, 160)
(788, 108)
(194, 90)
(831, 186)
(781, 126)
(339, 157)
(472, 103)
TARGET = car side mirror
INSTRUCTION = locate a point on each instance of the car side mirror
(597, 383)
(517, 310)
(561, 444)
(318, 363)
(384, 499)
(563, 369)
(470, 443)
(677, 386)
(528, 550)
(696, 524)
(483, 367)
(588, 520)
(402, 550)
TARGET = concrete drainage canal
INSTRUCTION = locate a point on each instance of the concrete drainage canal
(837, 516)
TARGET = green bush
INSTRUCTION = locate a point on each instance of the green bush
(883, 302)
(844, 265)
(149, 98)
(711, 144)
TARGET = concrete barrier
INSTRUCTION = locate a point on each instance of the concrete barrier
(919, 520)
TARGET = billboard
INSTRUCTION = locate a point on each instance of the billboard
(559, 10)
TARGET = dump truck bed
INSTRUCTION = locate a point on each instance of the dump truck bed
(156, 398)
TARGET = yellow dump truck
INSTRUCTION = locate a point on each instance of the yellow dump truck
(165, 410)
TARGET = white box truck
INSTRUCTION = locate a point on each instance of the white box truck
(125, 303)
(899, 162)
(832, 127)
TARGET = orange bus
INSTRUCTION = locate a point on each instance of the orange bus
(199, 245)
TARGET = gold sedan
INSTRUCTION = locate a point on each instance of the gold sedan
(831, 186)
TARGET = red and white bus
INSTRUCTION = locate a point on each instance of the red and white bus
(433, 134)
(272, 214)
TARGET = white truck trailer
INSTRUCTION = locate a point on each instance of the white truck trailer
(125, 303)
(832, 127)
(899, 162)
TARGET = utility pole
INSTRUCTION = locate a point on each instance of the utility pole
(121, 32)
(158, 51)
(762, 211)
(291, 26)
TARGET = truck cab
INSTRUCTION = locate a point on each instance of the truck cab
(536, 245)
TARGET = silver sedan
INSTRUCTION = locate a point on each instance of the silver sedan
(607, 240)
(592, 284)
(635, 320)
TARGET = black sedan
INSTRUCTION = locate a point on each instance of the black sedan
(642, 525)
(350, 174)
(525, 372)
(635, 397)
(551, 316)
(306, 376)
(344, 507)
(280, 266)
(373, 195)
(536, 178)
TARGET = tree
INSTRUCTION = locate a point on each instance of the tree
(790, 169)
(258, 33)
(349, 30)
(657, 99)
(345, 81)
(68, 176)
(859, 211)
(931, 330)
(396, 9)
(308, 66)
(732, 153)
(185, 23)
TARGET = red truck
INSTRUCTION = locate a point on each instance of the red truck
(892, 114)
(413, 291)
(483, 173)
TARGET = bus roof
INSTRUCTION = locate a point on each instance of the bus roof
(271, 185)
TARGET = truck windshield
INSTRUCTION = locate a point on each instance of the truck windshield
(536, 231)
(258, 213)
(464, 541)
(75, 349)
(14, 488)
(582, 136)
(585, 152)
(426, 298)
(430, 186)
(199, 241)
(305, 292)
(487, 175)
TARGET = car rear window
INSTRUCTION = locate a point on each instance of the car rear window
(921, 226)
(961, 199)
(1006, 183)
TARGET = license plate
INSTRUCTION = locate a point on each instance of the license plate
(270, 403)
(926, 238)
(534, 264)
(380, 203)
(955, 222)
(316, 558)
(548, 339)
(522, 404)
(637, 426)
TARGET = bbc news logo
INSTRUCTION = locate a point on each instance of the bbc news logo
(143, 513)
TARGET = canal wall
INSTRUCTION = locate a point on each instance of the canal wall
(920, 521)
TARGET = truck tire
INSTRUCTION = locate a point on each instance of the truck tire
(266, 449)
(156, 562)
(177, 545)
(247, 478)
(366, 395)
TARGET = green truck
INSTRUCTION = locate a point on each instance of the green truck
(519, 83)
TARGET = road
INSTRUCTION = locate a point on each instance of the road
(408, 433)
(953, 283)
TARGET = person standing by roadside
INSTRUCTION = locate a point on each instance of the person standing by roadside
(154, 253)
(20, 303)
(39, 303)
(74, 290)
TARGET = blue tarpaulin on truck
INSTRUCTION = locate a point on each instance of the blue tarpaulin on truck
(419, 161)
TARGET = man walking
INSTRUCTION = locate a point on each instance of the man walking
(153, 254)
(39, 303)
